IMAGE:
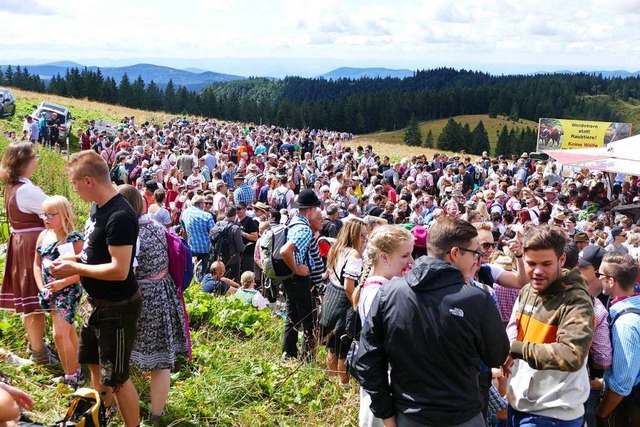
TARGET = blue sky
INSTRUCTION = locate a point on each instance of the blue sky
(311, 37)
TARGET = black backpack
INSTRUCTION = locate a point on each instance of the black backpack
(223, 247)
(114, 174)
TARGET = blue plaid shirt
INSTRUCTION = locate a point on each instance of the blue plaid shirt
(228, 177)
(197, 224)
(244, 193)
(624, 372)
(301, 235)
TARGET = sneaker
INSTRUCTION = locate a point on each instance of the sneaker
(74, 383)
(45, 357)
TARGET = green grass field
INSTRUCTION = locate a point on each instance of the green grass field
(493, 127)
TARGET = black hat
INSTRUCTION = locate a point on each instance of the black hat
(307, 199)
(591, 255)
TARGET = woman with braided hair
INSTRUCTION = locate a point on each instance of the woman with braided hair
(388, 255)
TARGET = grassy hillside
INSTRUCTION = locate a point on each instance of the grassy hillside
(386, 142)
(81, 109)
(237, 376)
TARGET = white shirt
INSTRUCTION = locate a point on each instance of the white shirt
(29, 198)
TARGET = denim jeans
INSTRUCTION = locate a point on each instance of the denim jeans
(403, 421)
(523, 419)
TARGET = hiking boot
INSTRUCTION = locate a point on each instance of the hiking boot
(45, 357)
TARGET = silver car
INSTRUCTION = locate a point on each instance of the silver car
(7, 103)
(46, 109)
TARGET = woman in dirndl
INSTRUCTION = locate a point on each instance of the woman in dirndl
(23, 205)
(344, 266)
(163, 330)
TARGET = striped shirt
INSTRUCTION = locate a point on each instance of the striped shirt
(624, 373)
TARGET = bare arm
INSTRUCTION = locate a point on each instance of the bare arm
(287, 252)
(37, 263)
(117, 269)
(608, 403)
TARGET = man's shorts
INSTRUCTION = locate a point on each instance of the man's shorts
(106, 339)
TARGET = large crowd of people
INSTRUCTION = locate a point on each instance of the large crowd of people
(458, 290)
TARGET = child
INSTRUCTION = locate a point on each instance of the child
(60, 297)
(216, 283)
(248, 294)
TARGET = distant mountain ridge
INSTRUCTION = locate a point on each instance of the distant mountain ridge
(161, 75)
(196, 79)
(358, 73)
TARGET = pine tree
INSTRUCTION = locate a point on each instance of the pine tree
(170, 97)
(8, 76)
(502, 147)
(413, 134)
(153, 97)
(480, 139)
(451, 138)
(428, 141)
(137, 93)
(467, 139)
(124, 91)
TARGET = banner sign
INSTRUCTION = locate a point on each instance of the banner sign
(554, 134)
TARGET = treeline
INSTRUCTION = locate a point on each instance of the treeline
(459, 137)
(358, 106)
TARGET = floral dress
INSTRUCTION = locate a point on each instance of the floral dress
(66, 300)
(161, 326)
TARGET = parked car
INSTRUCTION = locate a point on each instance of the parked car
(108, 127)
(7, 103)
(46, 109)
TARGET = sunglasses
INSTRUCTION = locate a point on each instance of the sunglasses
(476, 254)
(488, 245)
(208, 203)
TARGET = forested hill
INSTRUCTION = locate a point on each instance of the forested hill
(363, 105)
(368, 105)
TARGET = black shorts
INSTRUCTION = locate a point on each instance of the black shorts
(106, 339)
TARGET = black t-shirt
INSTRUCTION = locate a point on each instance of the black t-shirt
(114, 224)
(248, 226)
(54, 130)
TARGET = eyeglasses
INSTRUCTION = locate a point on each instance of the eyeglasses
(603, 276)
(48, 215)
(488, 245)
(476, 254)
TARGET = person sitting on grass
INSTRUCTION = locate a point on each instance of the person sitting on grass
(216, 283)
(11, 402)
(247, 292)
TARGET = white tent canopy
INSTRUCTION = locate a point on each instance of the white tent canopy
(621, 156)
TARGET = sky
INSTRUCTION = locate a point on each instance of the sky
(302, 37)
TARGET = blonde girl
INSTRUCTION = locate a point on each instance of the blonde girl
(60, 296)
(388, 255)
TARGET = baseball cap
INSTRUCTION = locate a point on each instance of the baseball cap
(616, 231)
(591, 256)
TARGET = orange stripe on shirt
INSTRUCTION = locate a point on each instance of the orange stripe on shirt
(535, 331)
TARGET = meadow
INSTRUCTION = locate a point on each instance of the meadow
(237, 376)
